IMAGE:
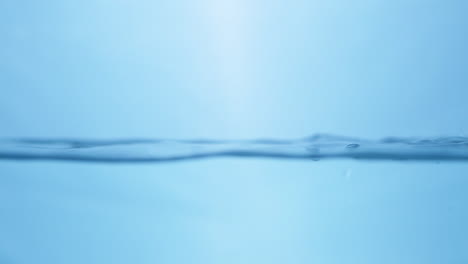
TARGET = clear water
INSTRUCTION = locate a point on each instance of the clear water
(76, 77)
(311, 148)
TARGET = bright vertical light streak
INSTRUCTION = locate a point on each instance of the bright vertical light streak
(229, 26)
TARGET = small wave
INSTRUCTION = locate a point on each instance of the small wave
(316, 147)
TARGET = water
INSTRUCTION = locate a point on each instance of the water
(316, 147)
(180, 131)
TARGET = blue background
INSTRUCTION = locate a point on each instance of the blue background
(233, 69)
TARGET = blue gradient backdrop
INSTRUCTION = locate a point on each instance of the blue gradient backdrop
(233, 69)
